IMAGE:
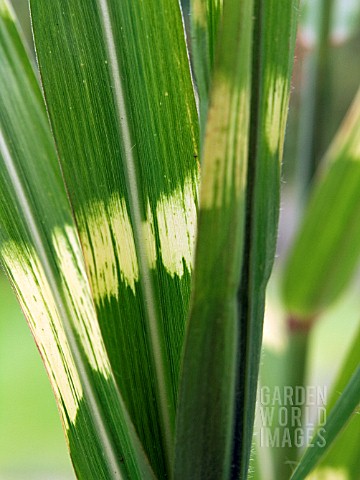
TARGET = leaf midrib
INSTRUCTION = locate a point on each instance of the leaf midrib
(134, 193)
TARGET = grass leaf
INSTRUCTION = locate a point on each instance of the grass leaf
(40, 252)
(205, 16)
(120, 98)
(316, 272)
(239, 210)
(204, 434)
(342, 411)
(273, 52)
(343, 455)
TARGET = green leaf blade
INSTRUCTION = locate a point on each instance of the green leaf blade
(124, 119)
(204, 435)
(343, 454)
(273, 52)
(205, 18)
(40, 252)
(342, 411)
(226, 241)
(331, 218)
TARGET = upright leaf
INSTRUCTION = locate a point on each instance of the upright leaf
(40, 252)
(224, 335)
(204, 434)
(205, 16)
(119, 94)
(327, 246)
(273, 53)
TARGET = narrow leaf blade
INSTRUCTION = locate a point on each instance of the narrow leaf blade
(120, 98)
(205, 17)
(203, 444)
(40, 253)
(343, 409)
(273, 53)
(224, 335)
(332, 219)
(343, 455)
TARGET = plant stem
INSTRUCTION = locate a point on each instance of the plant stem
(314, 102)
(295, 363)
(314, 107)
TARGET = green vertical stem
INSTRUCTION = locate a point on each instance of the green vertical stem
(315, 99)
(314, 102)
(295, 363)
(322, 85)
(314, 108)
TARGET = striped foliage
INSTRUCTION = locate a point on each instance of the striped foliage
(204, 435)
(241, 156)
(99, 216)
(40, 251)
(125, 126)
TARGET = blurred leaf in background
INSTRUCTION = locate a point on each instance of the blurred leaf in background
(324, 85)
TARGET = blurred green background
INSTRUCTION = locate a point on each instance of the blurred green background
(32, 445)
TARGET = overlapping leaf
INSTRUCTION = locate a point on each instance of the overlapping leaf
(207, 397)
(241, 174)
(40, 252)
(121, 103)
(274, 34)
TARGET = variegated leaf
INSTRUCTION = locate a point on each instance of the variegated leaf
(40, 251)
(119, 93)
